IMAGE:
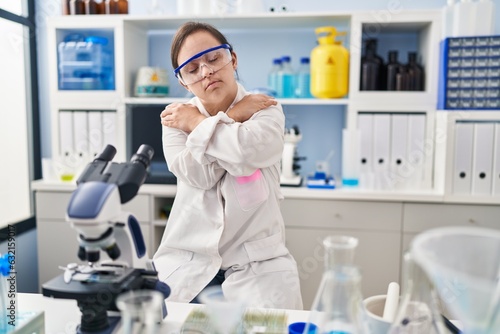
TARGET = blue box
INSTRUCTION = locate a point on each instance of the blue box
(469, 73)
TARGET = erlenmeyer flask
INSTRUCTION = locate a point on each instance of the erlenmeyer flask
(419, 308)
(337, 308)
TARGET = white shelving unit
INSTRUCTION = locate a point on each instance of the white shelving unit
(385, 221)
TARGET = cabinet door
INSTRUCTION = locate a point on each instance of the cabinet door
(420, 217)
(378, 256)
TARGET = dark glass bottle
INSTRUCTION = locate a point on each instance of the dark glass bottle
(116, 6)
(76, 7)
(403, 79)
(65, 7)
(371, 67)
(99, 5)
(415, 73)
(393, 68)
(90, 7)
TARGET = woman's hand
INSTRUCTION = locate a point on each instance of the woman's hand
(249, 105)
(182, 116)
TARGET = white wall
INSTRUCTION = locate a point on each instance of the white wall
(49, 8)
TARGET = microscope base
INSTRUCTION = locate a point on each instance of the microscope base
(291, 181)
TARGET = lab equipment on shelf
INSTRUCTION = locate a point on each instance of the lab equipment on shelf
(289, 165)
(285, 79)
(329, 65)
(373, 72)
(303, 79)
(91, 7)
(151, 82)
(272, 76)
(86, 63)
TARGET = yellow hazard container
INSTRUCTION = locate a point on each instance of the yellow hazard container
(329, 65)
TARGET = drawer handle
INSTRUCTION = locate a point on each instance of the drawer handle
(338, 216)
(472, 221)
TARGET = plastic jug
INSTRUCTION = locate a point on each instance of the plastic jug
(329, 65)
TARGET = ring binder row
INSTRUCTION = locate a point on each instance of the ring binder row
(393, 153)
(476, 169)
(85, 133)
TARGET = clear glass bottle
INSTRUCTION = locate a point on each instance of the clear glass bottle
(303, 80)
(418, 311)
(337, 307)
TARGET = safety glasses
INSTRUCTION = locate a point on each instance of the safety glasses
(191, 71)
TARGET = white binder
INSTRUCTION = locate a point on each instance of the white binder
(496, 164)
(365, 126)
(462, 169)
(95, 133)
(482, 163)
(80, 133)
(381, 149)
(416, 153)
(66, 133)
(400, 171)
(109, 128)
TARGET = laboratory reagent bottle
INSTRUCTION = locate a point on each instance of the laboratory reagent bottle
(337, 307)
(286, 78)
(303, 79)
(372, 65)
(393, 68)
(272, 77)
(415, 73)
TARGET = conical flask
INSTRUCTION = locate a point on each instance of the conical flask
(337, 308)
(419, 308)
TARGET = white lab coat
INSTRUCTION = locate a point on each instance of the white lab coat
(221, 219)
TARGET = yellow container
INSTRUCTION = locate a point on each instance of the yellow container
(329, 65)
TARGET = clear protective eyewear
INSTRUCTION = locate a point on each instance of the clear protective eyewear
(191, 71)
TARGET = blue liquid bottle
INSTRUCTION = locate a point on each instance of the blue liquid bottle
(286, 86)
(303, 79)
(272, 77)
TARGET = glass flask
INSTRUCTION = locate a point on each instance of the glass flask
(337, 307)
(418, 311)
(141, 311)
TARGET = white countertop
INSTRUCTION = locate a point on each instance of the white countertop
(63, 315)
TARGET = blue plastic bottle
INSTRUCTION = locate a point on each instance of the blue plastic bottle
(272, 77)
(286, 86)
(303, 79)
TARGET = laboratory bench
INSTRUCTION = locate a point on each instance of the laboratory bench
(384, 223)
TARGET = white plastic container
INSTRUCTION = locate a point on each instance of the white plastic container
(485, 14)
(464, 18)
(447, 13)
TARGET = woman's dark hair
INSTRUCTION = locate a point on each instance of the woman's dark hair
(188, 29)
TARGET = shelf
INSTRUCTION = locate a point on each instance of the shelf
(266, 20)
(168, 100)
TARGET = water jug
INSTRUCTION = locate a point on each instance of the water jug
(329, 65)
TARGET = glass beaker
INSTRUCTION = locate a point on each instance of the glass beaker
(337, 307)
(419, 308)
(141, 311)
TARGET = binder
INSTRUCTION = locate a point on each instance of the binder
(496, 164)
(109, 133)
(416, 153)
(482, 162)
(365, 126)
(399, 144)
(381, 150)
(95, 133)
(80, 133)
(65, 133)
(462, 169)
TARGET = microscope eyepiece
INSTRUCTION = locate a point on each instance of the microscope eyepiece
(143, 155)
(107, 154)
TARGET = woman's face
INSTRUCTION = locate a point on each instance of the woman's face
(214, 86)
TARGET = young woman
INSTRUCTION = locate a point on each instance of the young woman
(224, 146)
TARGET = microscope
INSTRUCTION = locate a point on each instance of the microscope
(94, 211)
(289, 165)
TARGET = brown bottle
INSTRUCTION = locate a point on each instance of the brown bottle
(65, 7)
(402, 79)
(116, 6)
(99, 4)
(415, 72)
(76, 7)
(90, 7)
